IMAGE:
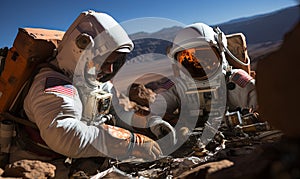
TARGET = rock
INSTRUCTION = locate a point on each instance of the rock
(88, 166)
(1, 171)
(30, 169)
(203, 170)
(277, 82)
(141, 95)
(271, 160)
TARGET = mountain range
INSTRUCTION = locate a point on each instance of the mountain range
(264, 33)
(268, 27)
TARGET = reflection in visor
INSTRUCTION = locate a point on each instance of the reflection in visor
(201, 62)
(96, 69)
(91, 71)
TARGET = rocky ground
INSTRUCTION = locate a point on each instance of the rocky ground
(237, 151)
(264, 154)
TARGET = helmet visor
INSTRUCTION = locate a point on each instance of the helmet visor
(201, 62)
(100, 70)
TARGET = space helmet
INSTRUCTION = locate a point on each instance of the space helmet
(199, 50)
(92, 40)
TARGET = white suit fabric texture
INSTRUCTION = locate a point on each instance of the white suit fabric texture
(242, 96)
(244, 93)
(58, 116)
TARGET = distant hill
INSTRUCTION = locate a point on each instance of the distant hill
(263, 32)
(269, 27)
(157, 42)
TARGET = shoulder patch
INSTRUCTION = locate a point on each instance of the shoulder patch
(60, 86)
(241, 78)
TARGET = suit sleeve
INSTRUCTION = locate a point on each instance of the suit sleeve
(56, 108)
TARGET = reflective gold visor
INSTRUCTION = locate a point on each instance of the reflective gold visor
(201, 62)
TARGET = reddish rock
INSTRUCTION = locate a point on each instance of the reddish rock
(141, 95)
(30, 169)
(203, 170)
(278, 86)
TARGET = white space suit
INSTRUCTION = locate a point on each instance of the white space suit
(202, 70)
(91, 52)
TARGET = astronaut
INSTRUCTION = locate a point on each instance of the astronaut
(203, 73)
(71, 101)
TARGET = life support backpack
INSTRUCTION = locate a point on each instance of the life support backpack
(237, 45)
(236, 52)
(32, 48)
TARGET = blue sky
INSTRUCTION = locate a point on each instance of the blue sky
(59, 14)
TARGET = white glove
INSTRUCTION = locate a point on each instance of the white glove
(161, 128)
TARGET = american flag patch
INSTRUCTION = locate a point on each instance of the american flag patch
(241, 78)
(60, 86)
